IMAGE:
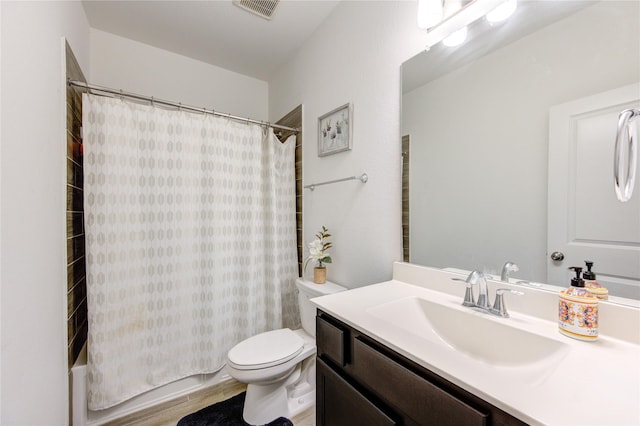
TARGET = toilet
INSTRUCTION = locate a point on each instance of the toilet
(279, 366)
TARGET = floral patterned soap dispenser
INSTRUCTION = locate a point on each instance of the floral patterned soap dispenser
(578, 310)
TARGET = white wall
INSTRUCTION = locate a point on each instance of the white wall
(355, 56)
(0, 217)
(33, 307)
(120, 63)
(33, 226)
(480, 135)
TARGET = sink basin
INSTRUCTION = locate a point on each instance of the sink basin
(490, 340)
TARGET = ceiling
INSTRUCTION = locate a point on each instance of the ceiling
(214, 31)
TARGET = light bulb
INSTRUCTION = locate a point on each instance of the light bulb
(430, 12)
(456, 38)
(502, 12)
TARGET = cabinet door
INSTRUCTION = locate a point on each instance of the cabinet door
(340, 404)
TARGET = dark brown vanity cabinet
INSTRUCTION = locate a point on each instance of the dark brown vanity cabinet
(362, 382)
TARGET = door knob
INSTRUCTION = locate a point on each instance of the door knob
(557, 256)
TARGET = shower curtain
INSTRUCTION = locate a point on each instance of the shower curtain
(191, 242)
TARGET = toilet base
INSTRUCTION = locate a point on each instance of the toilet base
(266, 402)
(302, 392)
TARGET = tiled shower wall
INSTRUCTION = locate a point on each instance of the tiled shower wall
(405, 197)
(76, 270)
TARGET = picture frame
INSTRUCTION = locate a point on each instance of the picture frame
(334, 131)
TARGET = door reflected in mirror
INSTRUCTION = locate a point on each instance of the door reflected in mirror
(511, 138)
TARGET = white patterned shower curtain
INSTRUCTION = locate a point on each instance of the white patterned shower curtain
(191, 242)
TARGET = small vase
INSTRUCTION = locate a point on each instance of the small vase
(320, 275)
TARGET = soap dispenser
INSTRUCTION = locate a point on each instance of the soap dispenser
(592, 285)
(578, 310)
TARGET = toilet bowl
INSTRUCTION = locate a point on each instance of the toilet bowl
(279, 366)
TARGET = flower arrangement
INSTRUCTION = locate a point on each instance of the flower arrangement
(318, 249)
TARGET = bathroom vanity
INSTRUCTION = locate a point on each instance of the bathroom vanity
(360, 381)
(407, 352)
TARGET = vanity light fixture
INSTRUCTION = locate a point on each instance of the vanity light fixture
(456, 38)
(458, 14)
(502, 12)
(430, 13)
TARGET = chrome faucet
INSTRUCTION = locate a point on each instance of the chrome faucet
(499, 308)
(506, 269)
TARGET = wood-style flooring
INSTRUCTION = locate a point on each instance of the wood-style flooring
(169, 413)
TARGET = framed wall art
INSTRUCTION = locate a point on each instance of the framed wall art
(334, 131)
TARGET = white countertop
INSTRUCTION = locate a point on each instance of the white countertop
(589, 383)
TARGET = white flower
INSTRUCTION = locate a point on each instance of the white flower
(315, 250)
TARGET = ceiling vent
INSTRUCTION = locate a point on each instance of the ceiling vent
(262, 8)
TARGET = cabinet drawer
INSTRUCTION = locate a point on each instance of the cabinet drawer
(331, 341)
(412, 394)
(340, 404)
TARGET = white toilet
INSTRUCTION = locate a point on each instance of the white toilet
(279, 366)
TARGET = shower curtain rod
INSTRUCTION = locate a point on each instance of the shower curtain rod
(152, 100)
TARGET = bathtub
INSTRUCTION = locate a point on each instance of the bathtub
(82, 416)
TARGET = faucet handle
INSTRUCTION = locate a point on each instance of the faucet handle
(499, 307)
(468, 294)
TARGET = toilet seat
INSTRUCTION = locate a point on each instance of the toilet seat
(265, 350)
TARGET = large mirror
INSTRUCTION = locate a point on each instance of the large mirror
(511, 140)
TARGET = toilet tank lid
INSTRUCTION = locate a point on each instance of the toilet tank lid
(314, 289)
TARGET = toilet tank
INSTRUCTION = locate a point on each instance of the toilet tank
(308, 290)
